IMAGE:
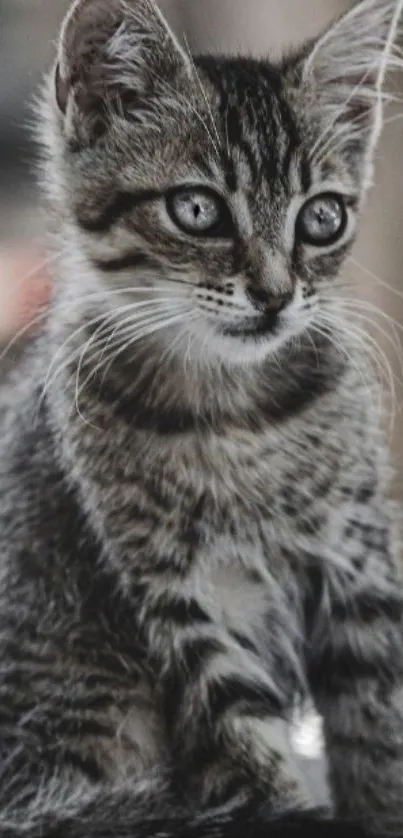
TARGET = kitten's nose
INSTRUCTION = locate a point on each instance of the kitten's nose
(267, 302)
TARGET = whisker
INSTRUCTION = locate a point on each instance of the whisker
(34, 321)
(68, 306)
(149, 316)
(367, 312)
(329, 331)
(39, 266)
(395, 118)
(125, 326)
(370, 348)
(203, 92)
(376, 278)
(134, 337)
(188, 105)
(82, 328)
(363, 311)
(339, 112)
(25, 330)
(171, 347)
(153, 306)
(227, 134)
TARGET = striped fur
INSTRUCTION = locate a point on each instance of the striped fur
(194, 525)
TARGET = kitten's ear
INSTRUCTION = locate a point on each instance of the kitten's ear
(112, 56)
(346, 67)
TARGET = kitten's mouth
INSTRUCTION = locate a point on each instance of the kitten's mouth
(254, 326)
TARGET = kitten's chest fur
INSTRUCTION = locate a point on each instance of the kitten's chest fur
(249, 560)
(241, 503)
(225, 520)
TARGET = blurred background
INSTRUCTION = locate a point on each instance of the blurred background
(28, 30)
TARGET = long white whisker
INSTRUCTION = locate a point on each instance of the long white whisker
(335, 140)
(39, 266)
(190, 106)
(154, 306)
(376, 278)
(339, 112)
(21, 333)
(330, 330)
(361, 307)
(82, 328)
(126, 326)
(370, 348)
(38, 317)
(150, 315)
(363, 312)
(69, 306)
(203, 92)
(395, 118)
(366, 311)
(180, 337)
(135, 336)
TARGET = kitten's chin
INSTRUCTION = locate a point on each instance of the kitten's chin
(248, 347)
(254, 340)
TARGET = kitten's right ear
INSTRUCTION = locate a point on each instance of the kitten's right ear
(345, 70)
(113, 56)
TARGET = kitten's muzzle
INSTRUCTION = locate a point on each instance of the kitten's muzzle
(265, 320)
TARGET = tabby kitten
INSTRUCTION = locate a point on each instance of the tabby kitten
(193, 524)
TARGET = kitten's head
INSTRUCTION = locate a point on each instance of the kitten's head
(212, 200)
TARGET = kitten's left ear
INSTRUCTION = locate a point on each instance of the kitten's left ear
(345, 69)
(114, 56)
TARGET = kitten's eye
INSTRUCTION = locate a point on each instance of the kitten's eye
(199, 211)
(322, 220)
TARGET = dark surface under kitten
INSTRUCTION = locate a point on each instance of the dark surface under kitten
(194, 528)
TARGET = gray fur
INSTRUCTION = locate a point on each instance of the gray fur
(194, 525)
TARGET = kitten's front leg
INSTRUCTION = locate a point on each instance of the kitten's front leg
(224, 712)
(355, 662)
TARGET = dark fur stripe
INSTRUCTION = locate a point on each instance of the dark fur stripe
(370, 749)
(122, 204)
(333, 671)
(85, 764)
(244, 642)
(130, 260)
(66, 726)
(178, 610)
(197, 652)
(245, 695)
(369, 607)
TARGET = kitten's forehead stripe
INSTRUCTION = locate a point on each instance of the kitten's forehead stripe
(305, 172)
(255, 118)
(231, 179)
